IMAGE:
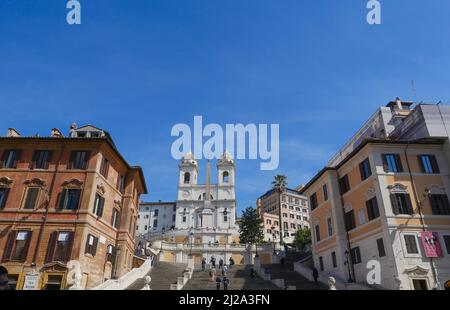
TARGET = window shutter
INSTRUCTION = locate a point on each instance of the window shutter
(385, 163)
(434, 164)
(86, 247)
(78, 199)
(2, 162)
(34, 159)
(94, 251)
(5, 198)
(9, 245)
(62, 199)
(49, 158)
(51, 247)
(86, 160)
(69, 246)
(100, 206)
(16, 158)
(399, 163)
(422, 168)
(394, 204)
(23, 255)
(71, 161)
(408, 204)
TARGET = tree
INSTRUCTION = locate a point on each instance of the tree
(251, 227)
(279, 184)
(302, 238)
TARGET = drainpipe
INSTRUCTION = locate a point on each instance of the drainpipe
(419, 209)
(45, 216)
(347, 235)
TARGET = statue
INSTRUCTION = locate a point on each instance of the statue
(147, 280)
(332, 283)
(74, 276)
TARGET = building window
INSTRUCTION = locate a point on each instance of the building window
(330, 227)
(285, 215)
(275, 223)
(344, 184)
(99, 203)
(173, 217)
(439, 204)
(355, 255)
(10, 159)
(59, 246)
(285, 225)
(41, 159)
(12, 281)
(225, 218)
(420, 284)
(4, 192)
(53, 282)
(115, 219)
(317, 230)
(69, 199)
(79, 160)
(321, 263)
(284, 206)
(392, 163)
(155, 223)
(17, 245)
(380, 246)
(283, 198)
(291, 216)
(411, 245)
(296, 201)
(156, 212)
(325, 192)
(447, 243)
(187, 178)
(372, 209)
(145, 227)
(91, 245)
(290, 199)
(110, 253)
(293, 225)
(333, 259)
(104, 168)
(226, 177)
(364, 169)
(313, 201)
(305, 218)
(401, 203)
(31, 198)
(349, 220)
(120, 183)
(428, 163)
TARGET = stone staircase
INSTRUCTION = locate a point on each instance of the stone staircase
(292, 278)
(163, 274)
(239, 277)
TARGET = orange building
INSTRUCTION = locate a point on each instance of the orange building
(66, 199)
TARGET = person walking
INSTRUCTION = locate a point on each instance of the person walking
(315, 274)
(224, 270)
(213, 273)
(231, 260)
(203, 264)
(213, 261)
(220, 263)
(226, 282)
(218, 281)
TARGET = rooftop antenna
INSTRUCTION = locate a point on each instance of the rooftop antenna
(414, 90)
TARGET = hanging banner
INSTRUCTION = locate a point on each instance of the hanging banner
(430, 243)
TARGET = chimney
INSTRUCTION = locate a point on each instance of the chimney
(12, 133)
(56, 133)
(398, 102)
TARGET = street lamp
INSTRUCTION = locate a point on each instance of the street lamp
(347, 262)
(191, 234)
(273, 239)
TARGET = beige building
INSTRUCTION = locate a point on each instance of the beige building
(294, 214)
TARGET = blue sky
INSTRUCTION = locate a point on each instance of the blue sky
(136, 68)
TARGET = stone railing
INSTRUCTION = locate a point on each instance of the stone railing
(127, 279)
(187, 275)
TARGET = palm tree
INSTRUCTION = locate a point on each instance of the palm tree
(279, 184)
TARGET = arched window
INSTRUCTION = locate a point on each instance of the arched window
(226, 177)
(187, 178)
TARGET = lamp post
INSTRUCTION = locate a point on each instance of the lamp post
(347, 262)
(273, 239)
(191, 234)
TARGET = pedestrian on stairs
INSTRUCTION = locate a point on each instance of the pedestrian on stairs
(218, 281)
(220, 263)
(203, 263)
(213, 261)
(252, 273)
(231, 262)
(315, 274)
(225, 281)
(212, 273)
(224, 270)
